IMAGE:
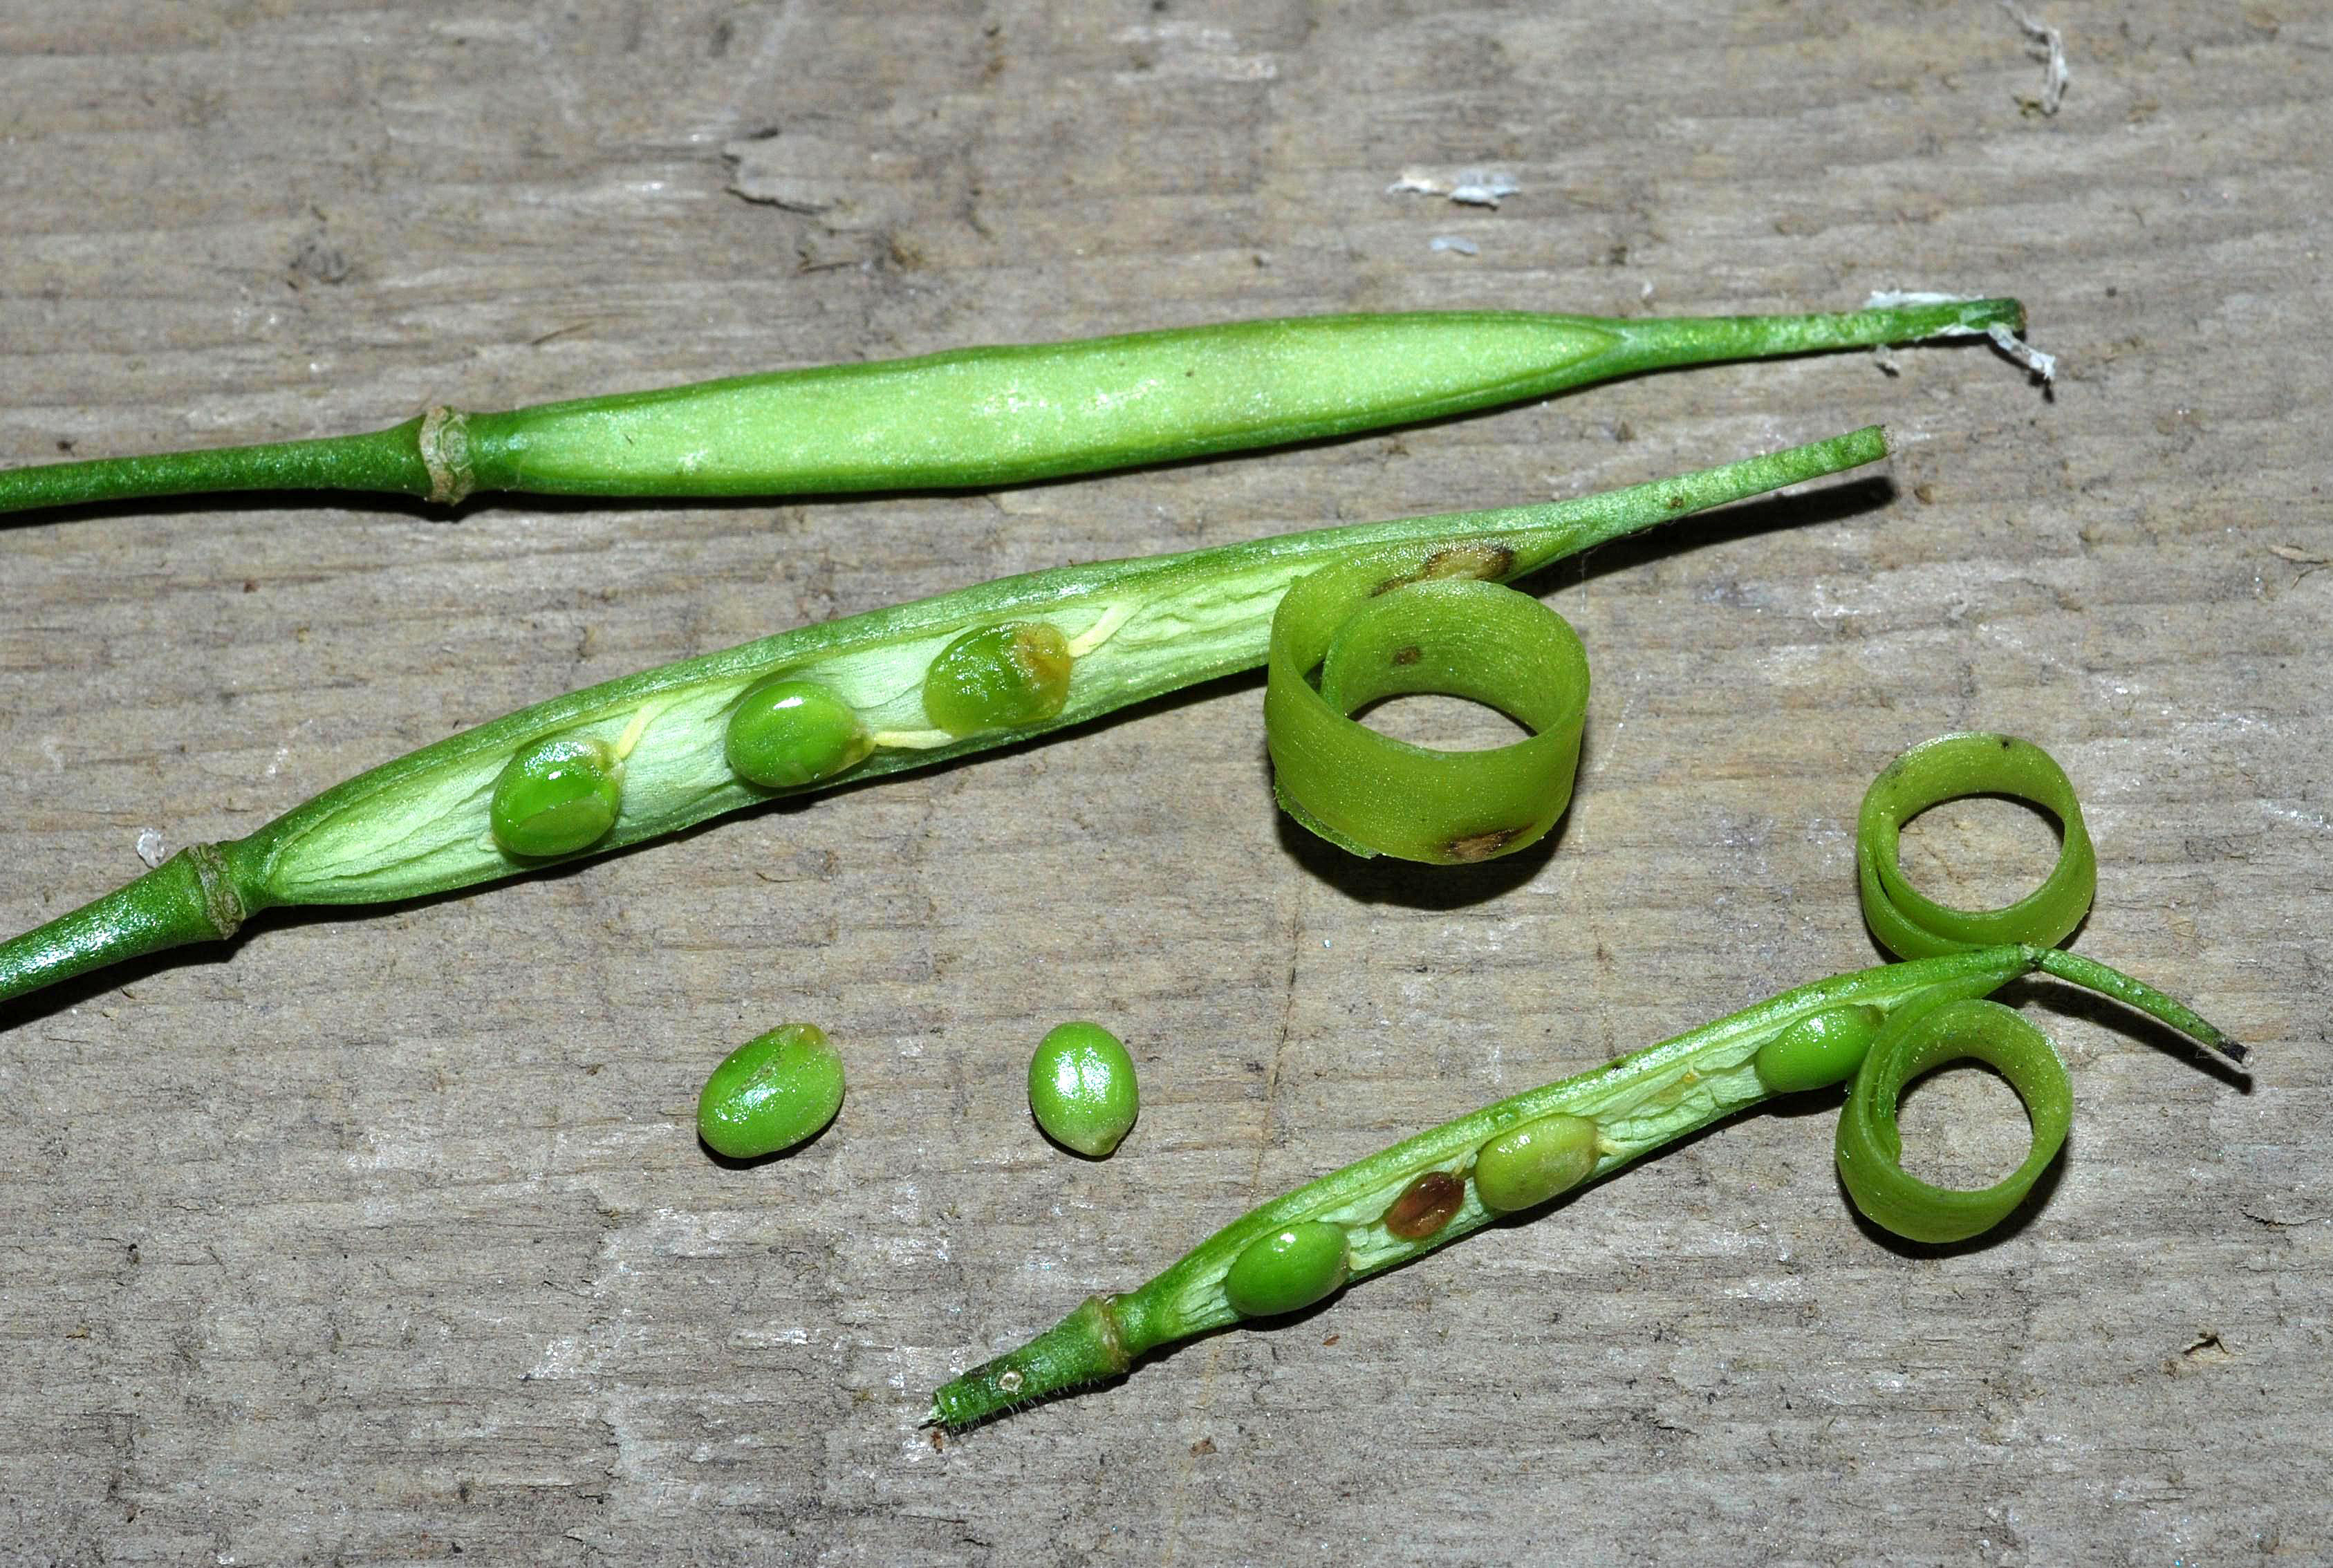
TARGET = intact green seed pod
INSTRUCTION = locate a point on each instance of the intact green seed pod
(772, 1093)
(557, 797)
(1819, 1050)
(1530, 1164)
(1082, 1088)
(1289, 1269)
(784, 733)
(999, 677)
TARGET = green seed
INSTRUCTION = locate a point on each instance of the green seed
(1530, 1164)
(1082, 1088)
(1291, 1268)
(557, 797)
(999, 677)
(772, 1093)
(784, 733)
(1819, 1050)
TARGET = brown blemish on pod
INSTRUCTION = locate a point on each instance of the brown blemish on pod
(1483, 845)
(1425, 1206)
(1487, 562)
(1408, 655)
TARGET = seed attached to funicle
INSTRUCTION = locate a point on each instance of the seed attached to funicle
(557, 797)
(1819, 1050)
(1288, 1270)
(1532, 1163)
(784, 733)
(999, 677)
(1425, 1206)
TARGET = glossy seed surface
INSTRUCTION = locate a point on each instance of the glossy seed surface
(784, 733)
(1532, 1163)
(557, 797)
(1819, 1050)
(999, 677)
(1082, 1089)
(1425, 1206)
(1289, 1269)
(774, 1092)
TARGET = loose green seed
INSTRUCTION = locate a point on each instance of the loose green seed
(772, 1093)
(557, 797)
(1082, 1088)
(1532, 1163)
(784, 733)
(1425, 1206)
(999, 678)
(1288, 1270)
(1819, 1050)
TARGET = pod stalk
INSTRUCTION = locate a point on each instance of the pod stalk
(384, 461)
(202, 893)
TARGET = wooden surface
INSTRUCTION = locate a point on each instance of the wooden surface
(384, 1238)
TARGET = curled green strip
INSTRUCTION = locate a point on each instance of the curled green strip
(1398, 623)
(1950, 768)
(1870, 1151)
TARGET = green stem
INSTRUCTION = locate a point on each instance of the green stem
(1646, 346)
(385, 460)
(1637, 1103)
(1000, 416)
(425, 823)
(202, 893)
(2092, 975)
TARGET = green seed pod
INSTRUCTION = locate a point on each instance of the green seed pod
(1082, 1088)
(1532, 1163)
(772, 1093)
(998, 677)
(784, 733)
(1819, 1050)
(557, 797)
(1953, 767)
(1289, 1269)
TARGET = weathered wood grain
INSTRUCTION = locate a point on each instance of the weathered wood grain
(387, 1236)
